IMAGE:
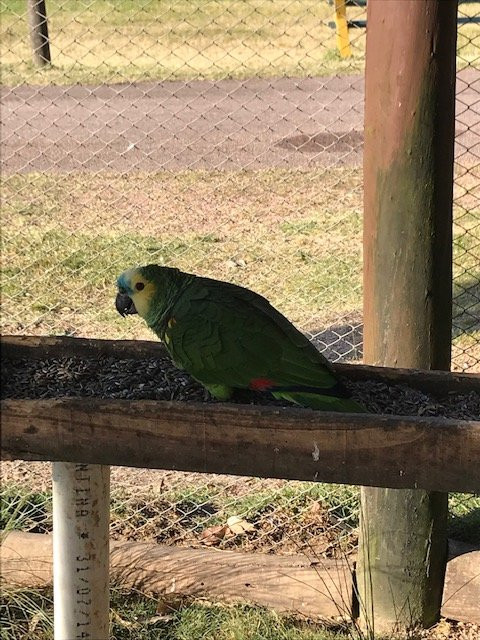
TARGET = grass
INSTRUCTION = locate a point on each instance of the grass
(178, 514)
(206, 622)
(105, 41)
(468, 36)
(65, 242)
(466, 310)
(464, 518)
(25, 510)
(292, 235)
(466, 285)
(287, 517)
(28, 615)
(95, 41)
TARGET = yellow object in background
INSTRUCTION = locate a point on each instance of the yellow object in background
(343, 41)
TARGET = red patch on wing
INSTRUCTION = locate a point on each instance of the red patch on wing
(261, 384)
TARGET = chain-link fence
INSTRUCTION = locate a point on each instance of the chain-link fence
(466, 283)
(223, 137)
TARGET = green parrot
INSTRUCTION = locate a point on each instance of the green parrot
(228, 337)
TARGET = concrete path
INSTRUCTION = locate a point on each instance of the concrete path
(227, 124)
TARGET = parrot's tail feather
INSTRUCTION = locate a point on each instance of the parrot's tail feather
(337, 390)
(321, 401)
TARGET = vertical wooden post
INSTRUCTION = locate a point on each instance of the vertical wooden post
(37, 20)
(343, 40)
(408, 170)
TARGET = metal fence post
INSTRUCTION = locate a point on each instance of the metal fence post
(408, 165)
(341, 24)
(37, 20)
(81, 513)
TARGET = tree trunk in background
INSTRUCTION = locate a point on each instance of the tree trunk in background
(408, 168)
(37, 20)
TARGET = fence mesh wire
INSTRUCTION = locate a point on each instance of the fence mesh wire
(466, 283)
(225, 138)
(224, 512)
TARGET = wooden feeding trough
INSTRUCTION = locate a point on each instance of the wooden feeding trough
(425, 452)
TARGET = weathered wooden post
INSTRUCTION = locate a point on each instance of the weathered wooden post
(37, 20)
(408, 168)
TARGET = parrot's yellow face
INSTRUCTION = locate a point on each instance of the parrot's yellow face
(135, 293)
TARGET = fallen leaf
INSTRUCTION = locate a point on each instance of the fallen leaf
(315, 508)
(164, 617)
(441, 630)
(214, 535)
(238, 525)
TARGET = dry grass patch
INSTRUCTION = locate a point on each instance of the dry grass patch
(294, 236)
(99, 41)
(102, 41)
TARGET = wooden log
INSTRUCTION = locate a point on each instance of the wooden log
(284, 583)
(271, 442)
(461, 593)
(438, 383)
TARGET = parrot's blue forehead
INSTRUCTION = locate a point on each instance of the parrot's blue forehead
(124, 282)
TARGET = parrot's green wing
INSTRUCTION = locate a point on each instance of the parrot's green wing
(228, 337)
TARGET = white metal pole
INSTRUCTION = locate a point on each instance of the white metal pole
(81, 508)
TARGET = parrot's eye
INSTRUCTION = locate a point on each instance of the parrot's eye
(139, 286)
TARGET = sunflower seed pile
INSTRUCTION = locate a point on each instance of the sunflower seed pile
(158, 379)
(102, 377)
(402, 400)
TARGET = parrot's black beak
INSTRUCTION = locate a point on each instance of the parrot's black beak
(124, 304)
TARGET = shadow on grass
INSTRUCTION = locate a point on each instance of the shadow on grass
(466, 528)
(340, 342)
(345, 341)
(466, 305)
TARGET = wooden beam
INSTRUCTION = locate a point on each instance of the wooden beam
(437, 383)
(271, 442)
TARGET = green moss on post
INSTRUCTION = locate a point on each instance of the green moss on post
(404, 553)
(409, 132)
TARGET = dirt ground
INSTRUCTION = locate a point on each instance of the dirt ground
(192, 509)
(225, 124)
